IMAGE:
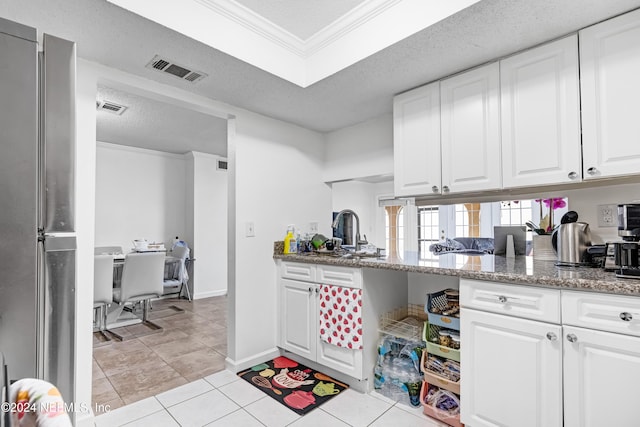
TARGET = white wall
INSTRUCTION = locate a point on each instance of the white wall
(209, 211)
(360, 151)
(85, 227)
(140, 194)
(585, 202)
(277, 169)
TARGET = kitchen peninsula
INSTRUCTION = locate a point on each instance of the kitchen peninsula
(523, 322)
(522, 270)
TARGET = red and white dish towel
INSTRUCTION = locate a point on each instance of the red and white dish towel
(341, 316)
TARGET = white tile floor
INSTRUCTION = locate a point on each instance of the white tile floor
(225, 400)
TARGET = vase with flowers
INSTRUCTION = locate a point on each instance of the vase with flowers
(546, 222)
(542, 245)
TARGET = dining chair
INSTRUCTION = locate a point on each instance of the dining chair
(142, 277)
(178, 273)
(103, 290)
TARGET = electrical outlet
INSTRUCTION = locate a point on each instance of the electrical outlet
(607, 215)
(313, 227)
(249, 229)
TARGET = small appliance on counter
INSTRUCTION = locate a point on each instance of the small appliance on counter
(571, 240)
(623, 256)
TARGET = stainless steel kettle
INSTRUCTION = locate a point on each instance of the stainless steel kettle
(571, 241)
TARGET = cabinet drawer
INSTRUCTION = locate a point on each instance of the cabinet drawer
(512, 300)
(602, 312)
(298, 271)
(341, 276)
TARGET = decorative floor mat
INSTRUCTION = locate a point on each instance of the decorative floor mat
(296, 386)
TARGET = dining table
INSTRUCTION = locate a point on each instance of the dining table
(116, 317)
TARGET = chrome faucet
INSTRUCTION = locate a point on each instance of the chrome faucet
(359, 242)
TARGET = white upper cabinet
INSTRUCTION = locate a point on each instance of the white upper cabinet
(541, 115)
(471, 130)
(416, 141)
(610, 87)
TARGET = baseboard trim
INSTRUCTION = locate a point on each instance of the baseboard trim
(201, 295)
(239, 365)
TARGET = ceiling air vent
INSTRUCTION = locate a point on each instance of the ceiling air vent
(222, 165)
(110, 107)
(170, 67)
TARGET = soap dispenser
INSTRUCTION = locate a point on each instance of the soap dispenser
(290, 242)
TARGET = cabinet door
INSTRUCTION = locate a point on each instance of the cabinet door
(416, 141)
(471, 130)
(601, 377)
(541, 115)
(345, 360)
(610, 88)
(511, 371)
(299, 318)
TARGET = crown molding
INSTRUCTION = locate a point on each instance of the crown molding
(257, 24)
(347, 23)
(342, 26)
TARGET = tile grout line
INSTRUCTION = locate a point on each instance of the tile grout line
(209, 309)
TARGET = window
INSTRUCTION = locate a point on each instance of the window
(467, 220)
(515, 212)
(434, 223)
(428, 229)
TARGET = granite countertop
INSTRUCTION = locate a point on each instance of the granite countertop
(521, 270)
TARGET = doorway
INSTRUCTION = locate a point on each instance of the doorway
(160, 175)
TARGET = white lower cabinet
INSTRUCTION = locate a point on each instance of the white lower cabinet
(536, 372)
(299, 319)
(512, 370)
(299, 316)
(601, 377)
(601, 359)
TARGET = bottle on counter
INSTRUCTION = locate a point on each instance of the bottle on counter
(290, 242)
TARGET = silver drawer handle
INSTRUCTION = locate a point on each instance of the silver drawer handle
(572, 338)
(310, 289)
(592, 171)
(504, 299)
(572, 175)
(435, 189)
(317, 290)
(628, 317)
(445, 189)
(551, 336)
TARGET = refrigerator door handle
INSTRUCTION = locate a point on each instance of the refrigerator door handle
(59, 288)
(58, 135)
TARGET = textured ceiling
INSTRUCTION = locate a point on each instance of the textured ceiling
(159, 126)
(486, 30)
(302, 18)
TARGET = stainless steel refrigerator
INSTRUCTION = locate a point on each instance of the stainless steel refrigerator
(37, 206)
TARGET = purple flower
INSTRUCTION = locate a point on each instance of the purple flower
(556, 203)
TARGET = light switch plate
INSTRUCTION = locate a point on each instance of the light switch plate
(607, 215)
(250, 229)
(313, 227)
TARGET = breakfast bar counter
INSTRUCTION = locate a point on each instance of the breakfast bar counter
(521, 270)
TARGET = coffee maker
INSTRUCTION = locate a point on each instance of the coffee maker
(623, 257)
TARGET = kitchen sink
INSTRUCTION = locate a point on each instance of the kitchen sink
(342, 254)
